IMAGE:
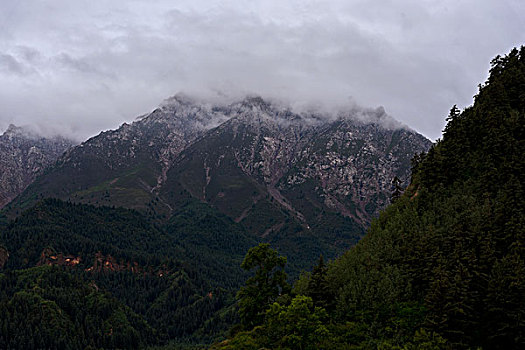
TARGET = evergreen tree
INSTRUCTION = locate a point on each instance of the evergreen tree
(318, 288)
(262, 289)
(397, 189)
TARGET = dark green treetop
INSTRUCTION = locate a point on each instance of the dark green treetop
(262, 289)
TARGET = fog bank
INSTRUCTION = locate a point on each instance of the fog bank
(79, 67)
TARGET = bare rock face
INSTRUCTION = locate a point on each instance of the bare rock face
(157, 137)
(23, 156)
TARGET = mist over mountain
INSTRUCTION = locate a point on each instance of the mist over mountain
(88, 67)
(209, 179)
(305, 178)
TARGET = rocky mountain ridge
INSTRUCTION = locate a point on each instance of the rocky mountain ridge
(23, 156)
(351, 156)
(285, 176)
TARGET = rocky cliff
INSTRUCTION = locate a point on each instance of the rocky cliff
(23, 156)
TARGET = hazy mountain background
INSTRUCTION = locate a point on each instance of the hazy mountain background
(310, 183)
(103, 63)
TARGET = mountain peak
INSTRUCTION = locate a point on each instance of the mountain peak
(24, 132)
(255, 101)
(13, 129)
(24, 154)
(180, 98)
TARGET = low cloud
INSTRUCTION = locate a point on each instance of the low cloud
(79, 67)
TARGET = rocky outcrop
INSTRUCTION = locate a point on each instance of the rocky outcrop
(23, 156)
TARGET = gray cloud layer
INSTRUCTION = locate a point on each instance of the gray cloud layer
(77, 67)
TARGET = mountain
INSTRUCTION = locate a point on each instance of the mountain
(442, 267)
(308, 182)
(126, 164)
(23, 156)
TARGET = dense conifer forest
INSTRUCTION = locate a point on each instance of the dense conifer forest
(150, 284)
(443, 267)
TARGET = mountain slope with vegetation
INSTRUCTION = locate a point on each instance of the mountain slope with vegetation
(123, 167)
(177, 281)
(46, 307)
(441, 268)
(308, 182)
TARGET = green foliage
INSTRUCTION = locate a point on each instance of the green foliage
(452, 244)
(301, 284)
(443, 267)
(318, 288)
(397, 189)
(297, 326)
(262, 289)
(169, 276)
(83, 230)
(212, 241)
(46, 307)
(422, 340)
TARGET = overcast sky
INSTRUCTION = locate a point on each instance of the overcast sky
(79, 67)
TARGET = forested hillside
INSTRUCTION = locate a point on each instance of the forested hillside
(442, 267)
(82, 276)
(48, 308)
